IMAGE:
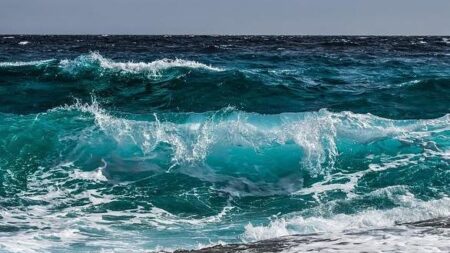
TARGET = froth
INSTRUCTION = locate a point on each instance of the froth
(411, 210)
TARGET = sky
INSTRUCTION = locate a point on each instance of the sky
(298, 17)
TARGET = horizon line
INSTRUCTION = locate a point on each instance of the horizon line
(229, 35)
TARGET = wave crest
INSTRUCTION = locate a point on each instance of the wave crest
(152, 69)
(96, 66)
(316, 138)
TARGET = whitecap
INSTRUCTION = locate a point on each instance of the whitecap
(25, 63)
(150, 68)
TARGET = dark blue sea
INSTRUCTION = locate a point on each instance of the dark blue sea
(159, 143)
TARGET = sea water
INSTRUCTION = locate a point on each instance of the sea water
(149, 143)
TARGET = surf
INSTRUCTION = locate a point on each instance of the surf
(150, 143)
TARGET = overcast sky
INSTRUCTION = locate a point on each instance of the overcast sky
(303, 17)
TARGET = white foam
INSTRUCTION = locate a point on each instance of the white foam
(411, 210)
(96, 175)
(404, 84)
(22, 43)
(316, 136)
(395, 162)
(25, 63)
(352, 179)
(396, 240)
(324, 186)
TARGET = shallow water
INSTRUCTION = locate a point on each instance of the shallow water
(140, 143)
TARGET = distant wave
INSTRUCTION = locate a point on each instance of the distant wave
(183, 85)
(94, 65)
(152, 68)
(26, 63)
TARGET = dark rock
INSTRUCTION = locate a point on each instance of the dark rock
(443, 222)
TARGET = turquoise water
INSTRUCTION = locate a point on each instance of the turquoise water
(160, 143)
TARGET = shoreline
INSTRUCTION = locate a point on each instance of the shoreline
(294, 243)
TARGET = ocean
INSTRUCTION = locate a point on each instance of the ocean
(164, 143)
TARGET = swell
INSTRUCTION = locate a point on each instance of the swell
(189, 86)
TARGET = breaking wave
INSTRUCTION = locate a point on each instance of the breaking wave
(264, 154)
(312, 138)
(77, 152)
(94, 65)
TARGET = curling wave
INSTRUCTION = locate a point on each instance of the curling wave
(267, 153)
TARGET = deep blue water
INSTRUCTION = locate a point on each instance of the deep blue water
(138, 143)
